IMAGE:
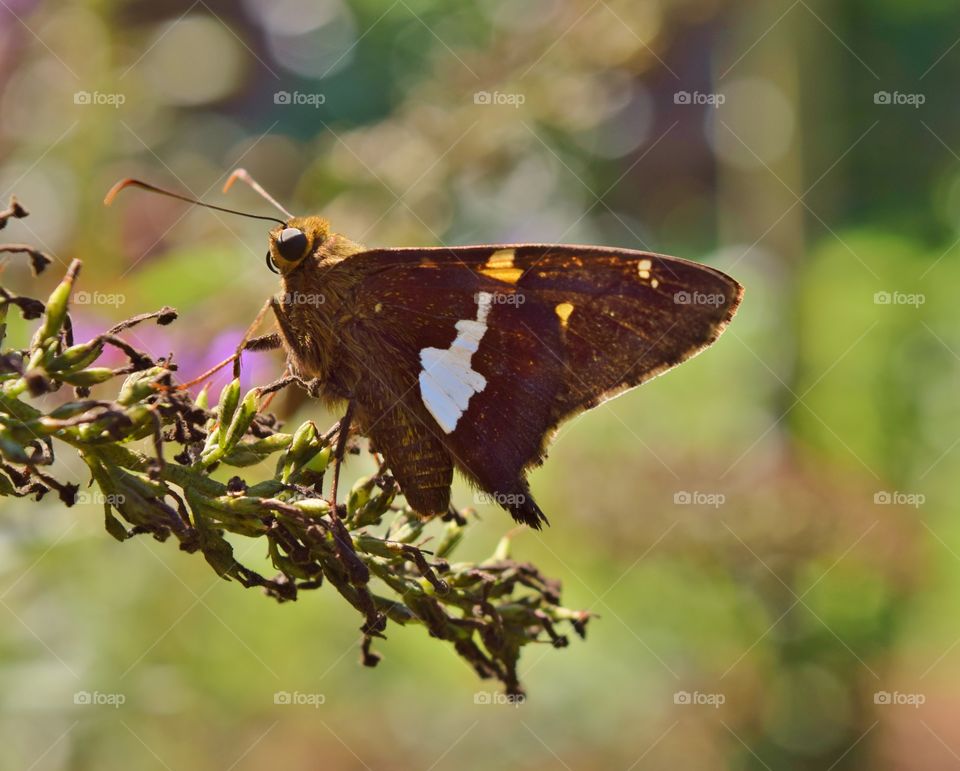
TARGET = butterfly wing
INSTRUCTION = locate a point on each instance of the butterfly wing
(495, 345)
(412, 446)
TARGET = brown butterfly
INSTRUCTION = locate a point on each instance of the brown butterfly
(470, 357)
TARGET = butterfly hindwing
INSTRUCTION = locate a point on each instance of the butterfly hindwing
(414, 451)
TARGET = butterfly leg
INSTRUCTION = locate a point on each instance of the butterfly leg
(264, 343)
(248, 337)
(269, 342)
(358, 571)
(343, 433)
(312, 387)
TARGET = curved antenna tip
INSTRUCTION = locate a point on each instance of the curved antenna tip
(244, 176)
(234, 176)
(112, 192)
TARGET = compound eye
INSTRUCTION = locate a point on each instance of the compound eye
(292, 243)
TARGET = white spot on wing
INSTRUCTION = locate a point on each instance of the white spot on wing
(447, 380)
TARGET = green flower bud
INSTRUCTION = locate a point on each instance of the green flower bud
(76, 357)
(502, 552)
(242, 456)
(6, 486)
(314, 507)
(113, 525)
(368, 503)
(139, 385)
(56, 310)
(229, 399)
(270, 444)
(126, 482)
(11, 449)
(88, 377)
(304, 449)
(303, 439)
(242, 418)
(409, 531)
(203, 398)
(70, 409)
(266, 489)
(452, 536)
(319, 462)
(360, 494)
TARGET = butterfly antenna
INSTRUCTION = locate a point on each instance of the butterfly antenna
(123, 183)
(244, 176)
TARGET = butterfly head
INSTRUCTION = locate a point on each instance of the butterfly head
(291, 243)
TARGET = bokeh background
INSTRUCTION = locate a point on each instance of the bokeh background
(769, 534)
